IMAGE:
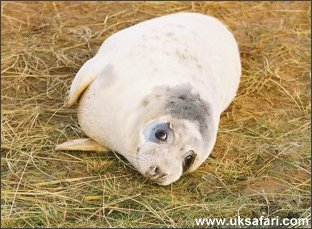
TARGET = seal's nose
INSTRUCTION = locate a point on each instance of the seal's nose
(155, 172)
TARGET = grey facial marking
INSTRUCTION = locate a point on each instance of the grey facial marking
(182, 103)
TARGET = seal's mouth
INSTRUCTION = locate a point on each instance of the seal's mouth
(158, 178)
(162, 179)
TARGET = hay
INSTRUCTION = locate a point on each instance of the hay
(259, 166)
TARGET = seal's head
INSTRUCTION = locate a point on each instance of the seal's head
(169, 149)
(178, 139)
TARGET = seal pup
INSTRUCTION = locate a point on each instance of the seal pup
(154, 93)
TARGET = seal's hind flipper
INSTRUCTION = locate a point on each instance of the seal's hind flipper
(83, 144)
(84, 77)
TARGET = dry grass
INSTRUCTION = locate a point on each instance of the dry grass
(259, 166)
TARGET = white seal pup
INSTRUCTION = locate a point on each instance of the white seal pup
(154, 93)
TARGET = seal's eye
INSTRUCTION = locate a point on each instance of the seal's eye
(161, 135)
(188, 160)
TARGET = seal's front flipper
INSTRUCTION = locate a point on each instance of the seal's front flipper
(83, 144)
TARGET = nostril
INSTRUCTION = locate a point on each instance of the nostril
(156, 170)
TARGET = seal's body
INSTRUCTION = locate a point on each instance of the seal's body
(154, 92)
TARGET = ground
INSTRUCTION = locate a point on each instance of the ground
(260, 165)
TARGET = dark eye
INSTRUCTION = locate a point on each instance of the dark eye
(188, 160)
(161, 135)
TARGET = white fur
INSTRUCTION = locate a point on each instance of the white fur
(181, 48)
